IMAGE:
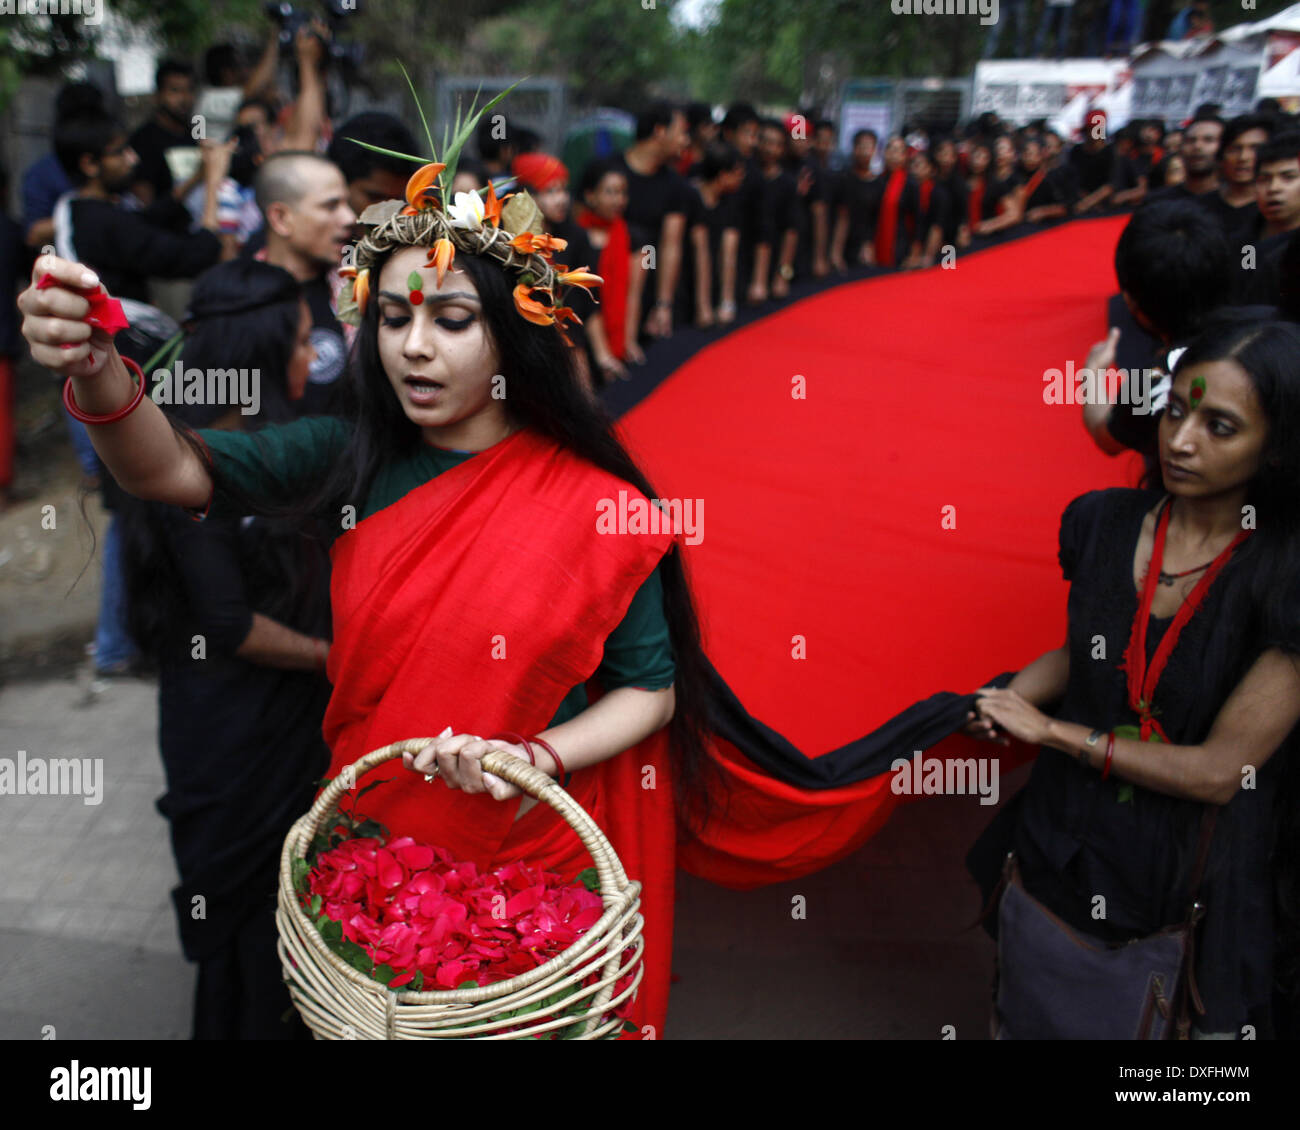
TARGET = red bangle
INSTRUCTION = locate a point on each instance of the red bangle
(113, 417)
(1110, 753)
(559, 765)
(516, 739)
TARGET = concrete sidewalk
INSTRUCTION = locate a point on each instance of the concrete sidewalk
(88, 940)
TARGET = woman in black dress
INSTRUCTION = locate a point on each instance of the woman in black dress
(1108, 814)
(237, 614)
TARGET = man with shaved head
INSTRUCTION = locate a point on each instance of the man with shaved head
(304, 200)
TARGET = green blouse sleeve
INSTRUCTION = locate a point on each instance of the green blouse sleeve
(639, 652)
(271, 466)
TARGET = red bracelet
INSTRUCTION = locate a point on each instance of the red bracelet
(559, 765)
(1110, 752)
(516, 739)
(113, 417)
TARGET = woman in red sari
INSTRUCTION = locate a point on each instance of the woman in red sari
(489, 565)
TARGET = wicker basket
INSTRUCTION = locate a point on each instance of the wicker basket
(339, 1003)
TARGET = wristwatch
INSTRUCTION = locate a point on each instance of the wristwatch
(786, 271)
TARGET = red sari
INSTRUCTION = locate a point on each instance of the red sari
(478, 601)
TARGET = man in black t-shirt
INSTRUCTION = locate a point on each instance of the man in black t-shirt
(713, 230)
(740, 130)
(1234, 201)
(1277, 188)
(778, 225)
(168, 128)
(126, 248)
(1199, 149)
(308, 223)
(1092, 162)
(657, 203)
(856, 199)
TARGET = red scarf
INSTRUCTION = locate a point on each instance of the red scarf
(478, 601)
(927, 189)
(887, 220)
(1031, 185)
(975, 203)
(613, 269)
(1141, 680)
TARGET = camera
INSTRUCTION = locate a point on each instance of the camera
(350, 56)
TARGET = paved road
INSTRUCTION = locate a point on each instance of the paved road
(88, 941)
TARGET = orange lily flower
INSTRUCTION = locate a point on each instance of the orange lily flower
(491, 207)
(441, 256)
(361, 289)
(529, 242)
(419, 185)
(530, 308)
(347, 272)
(579, 277)
(565, 314)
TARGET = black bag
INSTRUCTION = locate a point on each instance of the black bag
(1055, 983)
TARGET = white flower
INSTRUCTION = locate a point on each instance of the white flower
(466, 211)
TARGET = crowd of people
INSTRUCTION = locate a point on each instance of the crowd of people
(695, 218)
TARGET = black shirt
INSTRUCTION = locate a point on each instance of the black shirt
(777, 202)
(1054, 187)
(715, 220)
(151, 142)
(1093, 169)
(1263, 283)
(649, 200)
(861, 197)
(1239, 221)
(125, 248)
(321, 396)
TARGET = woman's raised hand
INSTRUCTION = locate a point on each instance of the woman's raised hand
(53, 320)
(455, 758)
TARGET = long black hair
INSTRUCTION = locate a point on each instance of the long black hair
(1261, 582)
(243, 314)
(543, 394)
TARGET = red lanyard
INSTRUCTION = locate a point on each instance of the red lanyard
(1142, 681)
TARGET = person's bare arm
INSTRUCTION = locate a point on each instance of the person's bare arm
(1046, 212)
(840, 237)
(1093, 199)
(762, 268)
(1097, 407)
(1258, 715)
(703, 276)
(635, 288)
(41, 232)
(821, 238)
(1039, 683)
(307, 118)
(729, 253)
(1262, 709)
(1007, 216)
(933, 241)
(272, 644)
(789, 248)
(142, 451)
(261, 83)
(621, 719)
(668, 268)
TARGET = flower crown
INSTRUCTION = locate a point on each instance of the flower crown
(508, 230)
